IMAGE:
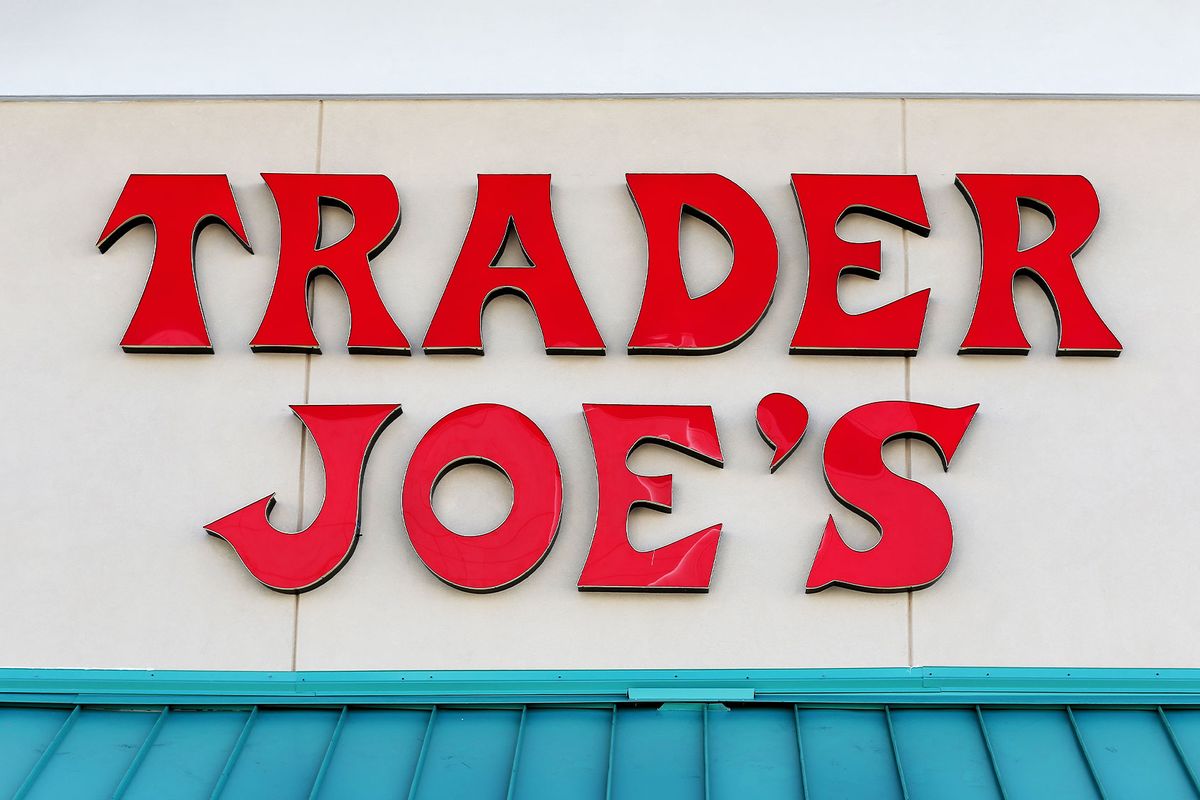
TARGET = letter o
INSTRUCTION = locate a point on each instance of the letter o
(506, 439)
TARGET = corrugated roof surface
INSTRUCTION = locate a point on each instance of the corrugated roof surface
(690, 751)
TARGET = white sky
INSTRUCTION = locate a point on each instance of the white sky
(158, 47)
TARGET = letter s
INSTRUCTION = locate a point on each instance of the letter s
(917, 536)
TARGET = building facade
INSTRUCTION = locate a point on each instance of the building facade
(1048, 654)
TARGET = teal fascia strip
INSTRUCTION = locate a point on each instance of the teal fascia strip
(674, 694)
(932, 685)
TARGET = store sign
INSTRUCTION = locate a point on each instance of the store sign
(916, 532)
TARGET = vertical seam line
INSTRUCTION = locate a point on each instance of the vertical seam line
(800, 753)
(1162, 715)
(333, 743)
(512, 775)
(416, 779)
(612, 747)
(887, 713)
(704, 719)
(307, 392)
(141, 754)
(904, 237)
(987, 743)
(1087, 757)
(46, 755)
(300, 509)
(234, 754)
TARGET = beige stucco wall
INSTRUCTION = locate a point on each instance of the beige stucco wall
(1073, 494)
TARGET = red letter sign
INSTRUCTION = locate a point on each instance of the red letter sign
(1070, 203)
(612, 563)
(519, 204)
(671, 320)
(824, 328)
(782, 421)
(168, 318)
(371, 199)
(297, 562)
(509, 441)
(916, 533)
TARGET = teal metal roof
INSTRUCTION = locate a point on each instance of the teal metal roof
(140, 738)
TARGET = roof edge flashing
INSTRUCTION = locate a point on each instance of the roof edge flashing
(894, 685)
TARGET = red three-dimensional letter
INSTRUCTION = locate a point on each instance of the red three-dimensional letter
(782, 422)
(824, 327)
(297, 562)
(287, 326)
(1071, 204)
(612, 563)
(519, 204)
(916, 533)
(509, 441)
(671, 321)
(168, 318)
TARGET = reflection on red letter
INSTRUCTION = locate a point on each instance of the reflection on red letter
(519, 204)
(824, 328)
(782, 421)
(297, 562)
(509, 441)
(371, 199)
(612, 563)
(168, 318)
(672, 321)
(1070, 203)
(915, 528)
